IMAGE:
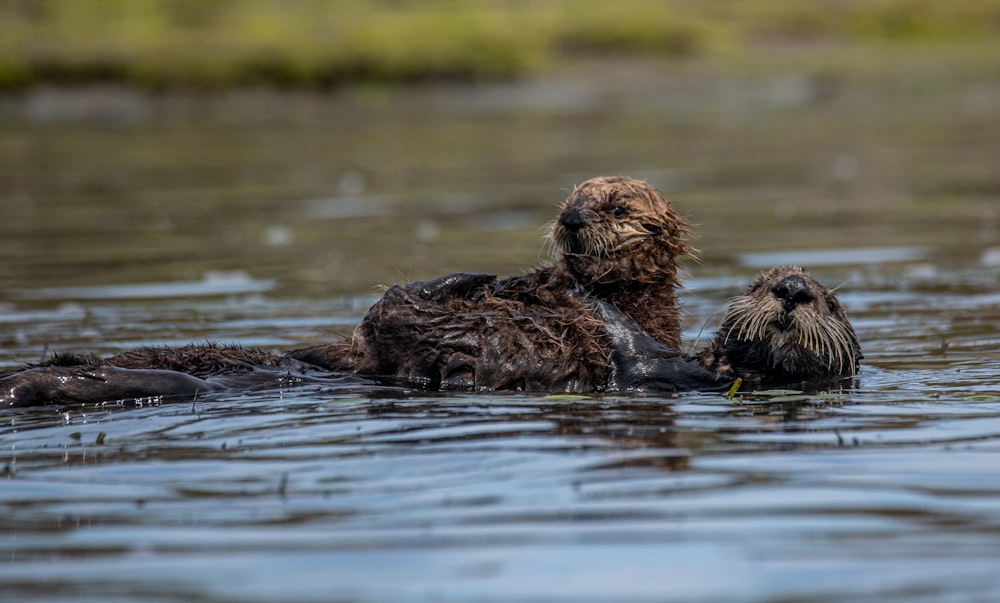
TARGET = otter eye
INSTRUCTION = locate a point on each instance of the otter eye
(832, 307)
(618, 211)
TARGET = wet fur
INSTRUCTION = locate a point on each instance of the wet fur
(198, 360)
(626, 251)
(515, 334)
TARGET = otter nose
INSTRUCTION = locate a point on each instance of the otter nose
(792, 291)
(571, 219)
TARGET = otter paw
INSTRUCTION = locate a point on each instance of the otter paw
(459, 285)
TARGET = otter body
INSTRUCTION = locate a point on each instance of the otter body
(472, 331)
(618, 241)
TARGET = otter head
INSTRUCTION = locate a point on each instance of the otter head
(788, 325)
(616, 230)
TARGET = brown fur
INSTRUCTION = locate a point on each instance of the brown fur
(785, 327)
(625, 251)
(509, 336)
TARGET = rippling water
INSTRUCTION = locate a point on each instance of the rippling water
(268, 220)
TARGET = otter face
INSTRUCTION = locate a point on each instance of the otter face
(616, 228)
(786, 322)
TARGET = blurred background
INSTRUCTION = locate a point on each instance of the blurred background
(320, 148)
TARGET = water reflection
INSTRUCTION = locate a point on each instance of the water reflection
(466, 493)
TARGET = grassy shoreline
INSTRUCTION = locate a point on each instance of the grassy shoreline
(163, 44)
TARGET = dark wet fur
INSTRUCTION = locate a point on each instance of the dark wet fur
(470, 331)
(198, 360)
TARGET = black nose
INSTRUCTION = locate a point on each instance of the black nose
(792, 291)
(571, 219)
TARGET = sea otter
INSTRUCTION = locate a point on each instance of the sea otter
(618, 240)
(786, 328)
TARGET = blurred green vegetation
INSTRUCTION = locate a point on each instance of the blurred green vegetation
(319, 43)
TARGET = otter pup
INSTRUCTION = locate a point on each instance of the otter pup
(618, 241)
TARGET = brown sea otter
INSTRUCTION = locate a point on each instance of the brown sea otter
(618, 240)
(786, 328)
